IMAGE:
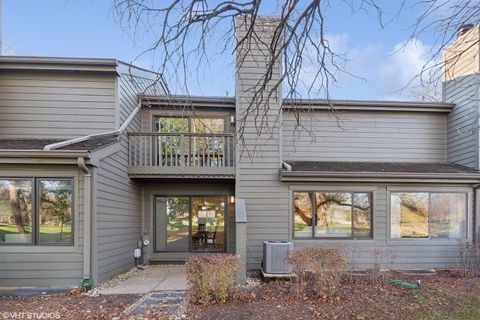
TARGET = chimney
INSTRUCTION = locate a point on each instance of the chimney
(464, 29)
(461, 86)
(258, 132)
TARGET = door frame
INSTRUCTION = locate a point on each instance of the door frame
(190, 215)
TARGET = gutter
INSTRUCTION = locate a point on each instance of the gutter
(117, 132)
(87, 218)
(376, 176)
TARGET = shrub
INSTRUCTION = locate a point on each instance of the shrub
(210, 277)
(468, 260)
(317, 269)
(382, 262)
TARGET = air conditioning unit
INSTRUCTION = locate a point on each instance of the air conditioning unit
(274, 254)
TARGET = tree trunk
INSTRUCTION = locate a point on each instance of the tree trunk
(16, 208)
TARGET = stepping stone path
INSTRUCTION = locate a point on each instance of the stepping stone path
(156, 305)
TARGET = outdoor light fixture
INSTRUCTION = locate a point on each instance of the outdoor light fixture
(232, 199)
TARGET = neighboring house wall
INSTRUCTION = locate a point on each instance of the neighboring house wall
(364, 136)
(118, 216)
(45, 265)
(463, 138)
(35, 104)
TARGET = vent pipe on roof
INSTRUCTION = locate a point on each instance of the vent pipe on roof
(464, 29)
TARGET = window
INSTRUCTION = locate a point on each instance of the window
(428, 215)
(332, 215)
(36, 211)
(190, 223)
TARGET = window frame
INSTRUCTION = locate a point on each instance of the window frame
(190, 119)
(190, 216)
(35, 198)
(429, 192)
(314, 213)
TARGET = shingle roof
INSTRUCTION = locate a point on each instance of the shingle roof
(38, 144)
(379, 167)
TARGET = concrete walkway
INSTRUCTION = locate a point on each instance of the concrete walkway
(152, 278)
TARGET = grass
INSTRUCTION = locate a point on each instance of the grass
(48, 233)
(467, 306)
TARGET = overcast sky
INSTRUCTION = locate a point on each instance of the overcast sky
(87, 28)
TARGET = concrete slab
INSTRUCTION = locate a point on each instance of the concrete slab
(152, 278)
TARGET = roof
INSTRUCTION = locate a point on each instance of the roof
(368, 105)
(377, 171)
(308, 104)
(58, 64)
(191, 101)
(38, 144)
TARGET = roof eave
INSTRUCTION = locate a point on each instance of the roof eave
(326, 176)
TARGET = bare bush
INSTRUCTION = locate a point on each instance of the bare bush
(382, 262)
(352, 257)
(468, 260)
(318, 270)
(211, 277)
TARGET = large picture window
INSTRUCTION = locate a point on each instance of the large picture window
(36, 211)
(433, 215)
(332, 215)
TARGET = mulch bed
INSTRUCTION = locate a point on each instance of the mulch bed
(67, 306)
(440, 294)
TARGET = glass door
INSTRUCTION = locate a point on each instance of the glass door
(189, 224)
(172, 223)
(208, 224)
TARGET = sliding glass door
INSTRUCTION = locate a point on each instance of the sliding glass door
(189, 224)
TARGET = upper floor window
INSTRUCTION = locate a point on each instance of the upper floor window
(433, 215)
(332, 214)
(189, 124)
(36, 211)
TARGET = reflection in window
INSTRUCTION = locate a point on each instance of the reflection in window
(428, 215)
(409, 215)
(15, 211)
(208, 125)
(336, 214)
(333, 214)
(55, 211)
(171, 124)
(302, 215)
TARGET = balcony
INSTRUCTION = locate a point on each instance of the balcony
(176, 155)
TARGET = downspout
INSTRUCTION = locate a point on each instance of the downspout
(117, 132)
(87, 218)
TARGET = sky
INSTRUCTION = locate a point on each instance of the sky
(378, 57)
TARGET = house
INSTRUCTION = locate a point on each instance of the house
(97, 159)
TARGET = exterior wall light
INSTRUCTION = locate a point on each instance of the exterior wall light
(232, 199)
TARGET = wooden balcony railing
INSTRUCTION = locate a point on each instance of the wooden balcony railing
(181, 150)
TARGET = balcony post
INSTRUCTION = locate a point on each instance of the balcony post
(182, 151)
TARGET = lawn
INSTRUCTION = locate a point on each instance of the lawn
(442, 296)
(48, 233)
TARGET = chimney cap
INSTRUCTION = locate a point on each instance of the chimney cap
(464, 28)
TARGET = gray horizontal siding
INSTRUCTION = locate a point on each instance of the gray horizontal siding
(119, 219)
(275, 224)
(462, 136)
(364, 136)
(55, 105)
(45, 266)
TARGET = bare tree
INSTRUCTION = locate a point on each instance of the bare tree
(181, 30)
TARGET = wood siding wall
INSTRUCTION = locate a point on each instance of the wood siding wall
(403, 253)
(45, 265)
(119, 207)
(55, 105)
(364, 136)
(463, 137)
